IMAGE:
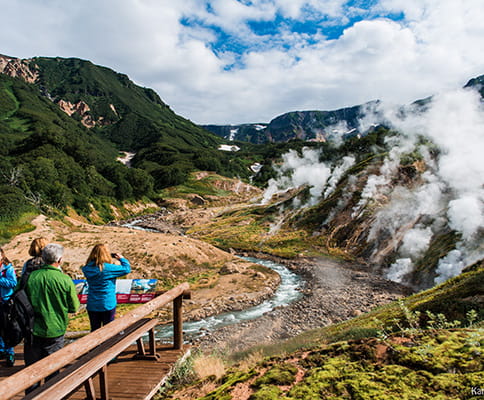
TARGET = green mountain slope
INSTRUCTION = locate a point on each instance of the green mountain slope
(50, 161)
(130, 116)
(62, 123)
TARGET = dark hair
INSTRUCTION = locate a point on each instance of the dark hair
(4, 259)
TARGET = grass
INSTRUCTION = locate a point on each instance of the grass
(10, 229)
(250, 230)
(202, 187)
(441, 364)
(399, 350)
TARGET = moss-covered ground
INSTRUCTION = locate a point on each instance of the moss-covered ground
(434, 364)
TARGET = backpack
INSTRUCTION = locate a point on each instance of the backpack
(17, 317)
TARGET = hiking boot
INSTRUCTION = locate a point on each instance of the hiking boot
(10, 360)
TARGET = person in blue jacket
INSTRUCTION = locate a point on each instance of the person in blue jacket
(101, 276)
(8, 281)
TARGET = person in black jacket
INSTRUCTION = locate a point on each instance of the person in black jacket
(34, 263)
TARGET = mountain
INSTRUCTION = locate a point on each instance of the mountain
(129, 115)
(316, 126)
(62, 124)
(253, 133)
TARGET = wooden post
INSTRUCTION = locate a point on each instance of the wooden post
(141, 347)
(103, 383)
(90, 391)
(152, 342)
(177, 323)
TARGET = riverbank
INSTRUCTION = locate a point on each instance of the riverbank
(333, 292)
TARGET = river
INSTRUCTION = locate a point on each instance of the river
(287, 292)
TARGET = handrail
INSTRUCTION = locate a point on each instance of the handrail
(26, 377)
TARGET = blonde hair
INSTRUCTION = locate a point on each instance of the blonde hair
(37, 246)
(99, 255)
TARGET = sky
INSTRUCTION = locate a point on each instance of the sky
(242, 61)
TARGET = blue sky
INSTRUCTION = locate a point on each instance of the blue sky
(237, 61)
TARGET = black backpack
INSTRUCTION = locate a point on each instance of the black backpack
(17, 316)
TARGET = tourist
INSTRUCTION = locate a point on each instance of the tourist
(101, 276)
(53, 296)
(8, 281)
(34, 263)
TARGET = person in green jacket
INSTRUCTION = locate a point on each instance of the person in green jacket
(53, 296)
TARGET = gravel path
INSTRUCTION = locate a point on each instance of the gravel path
(333, 292)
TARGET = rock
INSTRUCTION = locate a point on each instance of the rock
(232, 268)
(198, 200)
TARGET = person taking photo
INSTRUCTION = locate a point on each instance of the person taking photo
(101, 274)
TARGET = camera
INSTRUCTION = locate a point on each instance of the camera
(113, 255)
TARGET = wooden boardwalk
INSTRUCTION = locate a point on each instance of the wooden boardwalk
(128, 378)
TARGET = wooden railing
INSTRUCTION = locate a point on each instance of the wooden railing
(117, 335)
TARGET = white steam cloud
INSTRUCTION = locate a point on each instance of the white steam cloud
(454, 186)
(449, 195)
(297, 171)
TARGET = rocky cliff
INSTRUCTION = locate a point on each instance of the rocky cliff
(17, 68)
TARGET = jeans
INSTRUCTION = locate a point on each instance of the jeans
(100, 318)
(39, 349)
(6, 350)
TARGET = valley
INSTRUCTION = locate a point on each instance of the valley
(347, 199)
(220, 281)
(333, 290)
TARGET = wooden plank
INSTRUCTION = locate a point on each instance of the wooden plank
(128, 378)
(132, 379)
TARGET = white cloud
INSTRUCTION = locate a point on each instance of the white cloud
(434, 48)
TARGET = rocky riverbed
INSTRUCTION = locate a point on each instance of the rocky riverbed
(333, 292)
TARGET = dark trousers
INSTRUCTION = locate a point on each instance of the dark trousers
(100, 318)
(40, 348)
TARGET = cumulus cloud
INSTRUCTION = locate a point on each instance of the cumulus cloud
(211, 65)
